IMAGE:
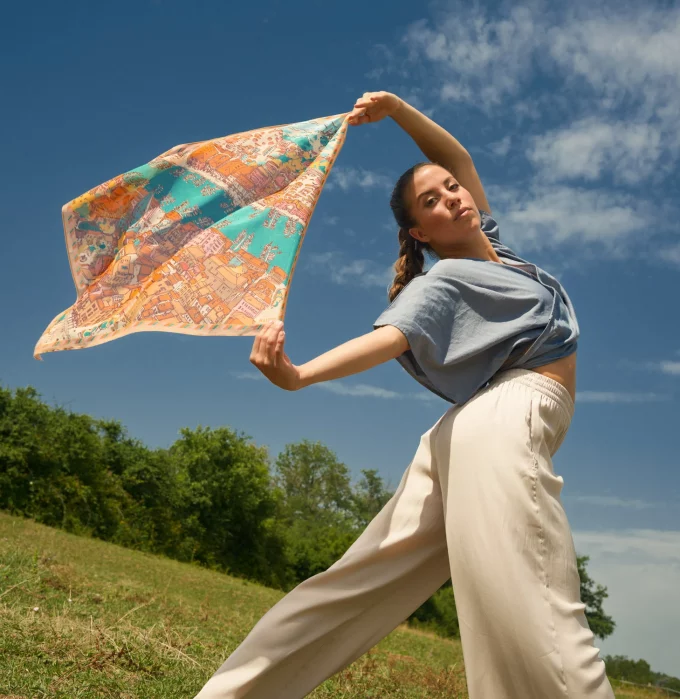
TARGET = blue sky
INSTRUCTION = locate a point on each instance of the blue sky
(571, 117)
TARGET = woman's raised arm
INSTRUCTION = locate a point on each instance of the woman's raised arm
(352, 357)
(436, 143)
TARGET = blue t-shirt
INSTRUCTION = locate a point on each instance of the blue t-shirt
(467, 318)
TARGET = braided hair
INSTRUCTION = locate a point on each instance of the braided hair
(411, 251)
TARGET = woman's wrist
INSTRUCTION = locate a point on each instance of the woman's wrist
(399, 107)
(305, 378)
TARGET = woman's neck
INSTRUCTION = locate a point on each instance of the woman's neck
(479, 250)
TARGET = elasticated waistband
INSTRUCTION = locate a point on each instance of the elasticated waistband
(547, 386)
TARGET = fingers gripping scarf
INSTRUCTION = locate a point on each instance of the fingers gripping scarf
(202, 240)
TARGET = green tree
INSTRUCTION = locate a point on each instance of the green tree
(229, 505)
(151, 500)
(623, 668)
(369, 496)
(592, 595)
(50, 466)
(26, 452)
(313, 481)
(317, 507)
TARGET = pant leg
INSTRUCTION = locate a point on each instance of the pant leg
(513, 563)
(331, 619)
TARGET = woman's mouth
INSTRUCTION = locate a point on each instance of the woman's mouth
(461, 213)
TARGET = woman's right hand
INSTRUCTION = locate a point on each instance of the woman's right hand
(372, 107)
(268, 356)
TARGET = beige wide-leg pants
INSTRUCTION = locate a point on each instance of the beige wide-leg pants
(479, 503)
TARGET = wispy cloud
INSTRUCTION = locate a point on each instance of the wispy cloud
(591, 147)
(670, 253)
(613, 501)
(361, 272)
(672, 368)
(667, 366)
(642, 544)
(618, 397)
(501, 148)
(351, 177)
(641, 570)
(358, 390)
(366, 390)
(605, 58)
(544, 216)
(362, 390)
(612, 106)
(488, 58)
(631, 56)
(247, 375)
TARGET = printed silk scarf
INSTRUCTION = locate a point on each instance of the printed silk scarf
(202, 240)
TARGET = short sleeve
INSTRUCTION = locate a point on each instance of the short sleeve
(490, 226)
(425, 311)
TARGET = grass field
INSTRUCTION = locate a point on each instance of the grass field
(81, 618)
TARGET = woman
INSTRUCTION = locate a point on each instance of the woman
(480, 502)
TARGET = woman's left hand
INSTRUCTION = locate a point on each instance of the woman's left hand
(372, 107)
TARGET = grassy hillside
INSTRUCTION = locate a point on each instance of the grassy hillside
(84, 618)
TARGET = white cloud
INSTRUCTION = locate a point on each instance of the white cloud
(623, 55)
(590, 147)
(630, 56)
(488, 58)
(612, 501)
(374, 74)
(669, 367)
(640, 545)
(617, 397)
(670, 254)
(361, 272)
(543, 216)
(641, 570)
(602, 61)
(612, 103)
(247, 375)
(501, 148)
(360, 389)
(672, 368)
(348, 177)
(363, 390)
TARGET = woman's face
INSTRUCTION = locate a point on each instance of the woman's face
(445, 214)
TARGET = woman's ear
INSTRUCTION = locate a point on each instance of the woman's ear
(418, 235)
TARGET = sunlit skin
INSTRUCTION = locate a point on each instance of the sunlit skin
(436, 201)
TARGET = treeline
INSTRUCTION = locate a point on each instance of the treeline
(638, 671)
(212, 498)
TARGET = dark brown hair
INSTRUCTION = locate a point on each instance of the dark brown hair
(411, 251)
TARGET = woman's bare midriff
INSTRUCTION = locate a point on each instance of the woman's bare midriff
(563, 371)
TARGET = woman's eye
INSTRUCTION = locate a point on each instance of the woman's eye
(430, 201)
(454, 187)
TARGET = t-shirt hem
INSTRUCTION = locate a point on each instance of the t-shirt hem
(411, 330)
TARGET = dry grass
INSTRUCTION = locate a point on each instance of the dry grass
(81, 618)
